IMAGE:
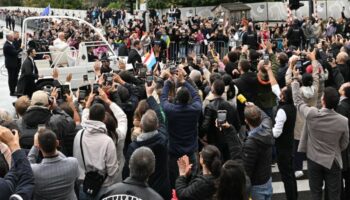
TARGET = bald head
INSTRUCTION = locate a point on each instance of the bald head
(342, 58)
(10, 36)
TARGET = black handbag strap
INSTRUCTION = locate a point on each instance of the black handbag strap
(81, 148)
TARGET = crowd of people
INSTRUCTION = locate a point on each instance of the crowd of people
(203, 126)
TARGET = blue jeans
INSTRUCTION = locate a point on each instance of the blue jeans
(262, 192)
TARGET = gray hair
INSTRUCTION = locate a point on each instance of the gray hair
(5, 116)
(142, 163)
(9, 34)
(149, 121)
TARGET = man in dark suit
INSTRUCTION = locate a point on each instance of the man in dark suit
(344, 109)
(13, 23)
(29, 74)
(134, 55)
(11, 62)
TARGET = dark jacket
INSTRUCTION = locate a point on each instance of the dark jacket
(57, 120)
(214, 135)
(11, 55)
(29, 73)
(247, 85)
(182, 121)
(19, 180)
(344, 109)
(123, 50)
(159, 180)
(295, 35)
(250, 39)
(281, 75)
(345, 71)
(131, 186)
(194, 188)
(134, 57)
(257, 151)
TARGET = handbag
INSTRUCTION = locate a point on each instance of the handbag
(93, 180)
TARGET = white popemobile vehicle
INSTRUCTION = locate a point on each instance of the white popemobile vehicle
(69, 60)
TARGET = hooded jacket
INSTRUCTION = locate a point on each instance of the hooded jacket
(99, 151)
(257, 151)
(57, 120)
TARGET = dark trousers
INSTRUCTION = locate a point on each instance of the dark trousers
(174, 170)
(285, 166)
(345, 194)
(319, 174)
(298, 157)
(12, 77)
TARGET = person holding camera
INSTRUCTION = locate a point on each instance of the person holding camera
(211, 134)
(43, 110)
(95, 150)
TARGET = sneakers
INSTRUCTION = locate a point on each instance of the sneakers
(299, 174)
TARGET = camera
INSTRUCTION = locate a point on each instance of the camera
(266, 58)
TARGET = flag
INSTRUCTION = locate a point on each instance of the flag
(150, 60)
(46, 11)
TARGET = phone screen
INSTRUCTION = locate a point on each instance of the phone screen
(95, 88)
(65, 90)
(143, 72)
(299, 64)
(222, 116)
(149, 80)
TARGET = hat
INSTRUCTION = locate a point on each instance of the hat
(40, 98)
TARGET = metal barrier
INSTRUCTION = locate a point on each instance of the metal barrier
(180, 50)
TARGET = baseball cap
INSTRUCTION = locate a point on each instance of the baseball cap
(40, 98)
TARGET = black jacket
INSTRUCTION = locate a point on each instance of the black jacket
(250, 39)
(131, 186)
(257, 151)
(134, 57)
(344, 109)
(159, 180)
(295, 35)
(11, 55)
(29, 73)
(57, 120)
(208, 126)
(200, 187)
(247, 85)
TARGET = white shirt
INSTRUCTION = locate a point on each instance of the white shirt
(60, 44)
(280, 119)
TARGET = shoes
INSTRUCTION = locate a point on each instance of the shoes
(299, 174)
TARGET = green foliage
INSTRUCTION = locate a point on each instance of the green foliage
(116, 5)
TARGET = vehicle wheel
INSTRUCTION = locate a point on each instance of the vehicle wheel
(45, 86)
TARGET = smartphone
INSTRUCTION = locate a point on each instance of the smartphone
(221, 117)
(108, 79)
(138, 65)
(241, 99)
(82, 95)
(299, 65)
(149, 80)
(173, 69)
(95, 88)
(65, 90)
(142, 72)
(85, 78)
(86, 88)
(266, 58)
